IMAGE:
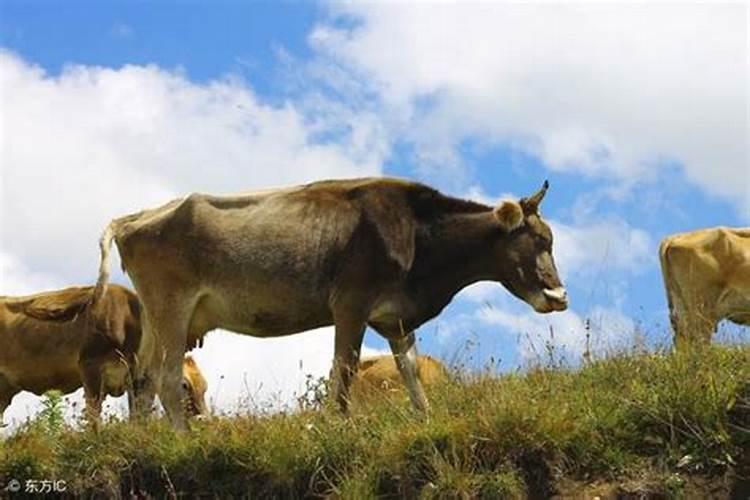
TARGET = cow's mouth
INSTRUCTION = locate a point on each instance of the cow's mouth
(549, 300)
(191, 409)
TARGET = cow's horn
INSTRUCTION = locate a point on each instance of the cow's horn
(532, 203)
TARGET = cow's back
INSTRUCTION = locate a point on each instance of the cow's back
(42, 336)
(711, 256)
(295, 231)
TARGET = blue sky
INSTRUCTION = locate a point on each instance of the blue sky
(640, 126)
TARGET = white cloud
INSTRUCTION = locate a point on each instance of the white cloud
(17, 279)
(607, 245)
(255, 372)
(94, 143)
(610, 89)
(477, 193)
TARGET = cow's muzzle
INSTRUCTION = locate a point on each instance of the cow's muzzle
(557, 298)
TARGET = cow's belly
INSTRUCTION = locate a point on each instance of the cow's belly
(262, 311)
(44, 375)
(394, 315)
(734, 305)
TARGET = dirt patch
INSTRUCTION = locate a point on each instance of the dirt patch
(729, 487)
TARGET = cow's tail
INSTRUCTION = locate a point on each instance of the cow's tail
(115, 229)
(105, 246)
(671, 285)
(666, 271)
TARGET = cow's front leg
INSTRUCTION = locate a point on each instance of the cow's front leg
(172, 393)
(693, 328)
(141, 397)
(349, 334)
(404, 351)
(92, 392)
(94, 409)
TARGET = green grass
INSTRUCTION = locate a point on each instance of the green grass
(636, 421)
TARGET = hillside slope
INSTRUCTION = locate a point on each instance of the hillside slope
(644, 425)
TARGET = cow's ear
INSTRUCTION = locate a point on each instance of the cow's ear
(510, 215)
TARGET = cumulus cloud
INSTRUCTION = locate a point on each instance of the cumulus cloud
(610, 89)
(93, 143)
(610, 245)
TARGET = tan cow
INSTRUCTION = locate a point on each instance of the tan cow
(60, 340)
(707, 279)
(379, 374)
(194, 385)
(386, 253)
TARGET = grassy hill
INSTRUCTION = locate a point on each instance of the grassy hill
(637, 424)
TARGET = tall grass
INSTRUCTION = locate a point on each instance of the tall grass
(634, 420)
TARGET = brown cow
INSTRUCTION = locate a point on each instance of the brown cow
(707, 279)
(378, 374)
(381, 252)
(60, 340)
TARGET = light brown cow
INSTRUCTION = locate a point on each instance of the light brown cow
(60, 340)
(194, 385)
(386, 253)
(707, 279)
(379, 374)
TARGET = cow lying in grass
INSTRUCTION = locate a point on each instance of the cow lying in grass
(61, 340)
(380, 374)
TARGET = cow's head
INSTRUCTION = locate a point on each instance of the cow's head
(524, 253)
(194, 389)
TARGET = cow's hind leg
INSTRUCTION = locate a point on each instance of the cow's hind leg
(405, 354)
(7, 391)
(141, 385)
(169, 326)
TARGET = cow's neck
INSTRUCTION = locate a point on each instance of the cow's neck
(452, 254)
